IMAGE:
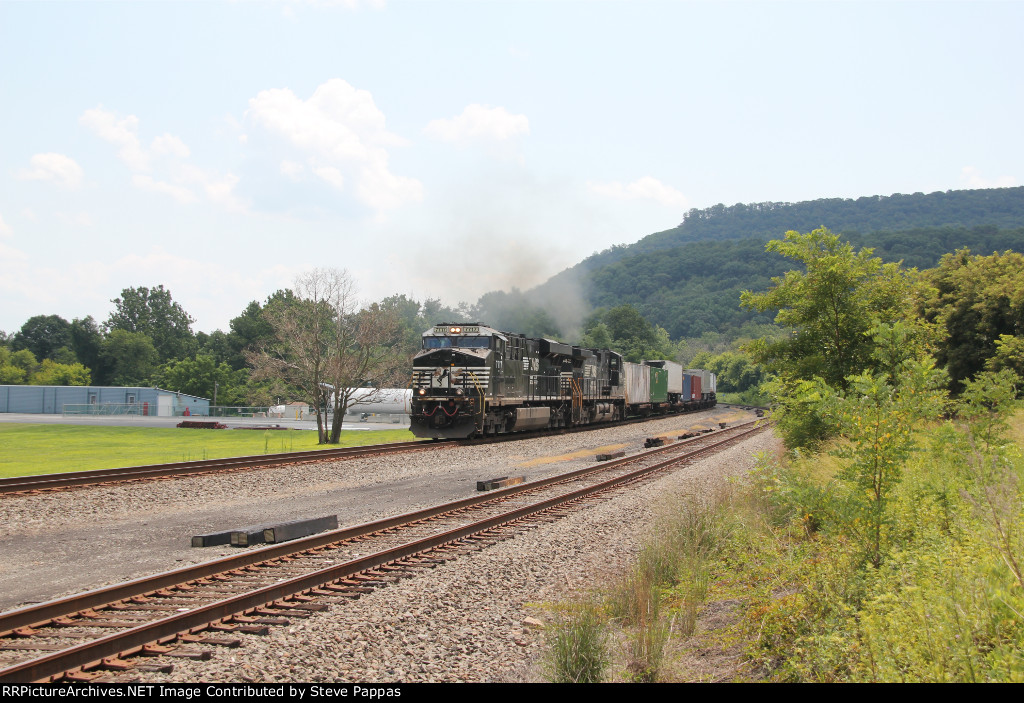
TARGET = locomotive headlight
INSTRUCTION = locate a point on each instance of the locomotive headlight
(456, 330)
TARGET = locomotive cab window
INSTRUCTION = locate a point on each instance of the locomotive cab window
(463, 342)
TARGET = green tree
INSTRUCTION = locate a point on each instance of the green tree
(16, 366)
(830, 305)
(735, 370)
(1009, 355)
(251, 329)
(152, 311)
(86, 339)
(978, 302)
(51, 373)
(626, 331)
(877, 417)
(128, 358)
(203, 377)
(43, 335)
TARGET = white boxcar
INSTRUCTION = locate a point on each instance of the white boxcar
(638, 383)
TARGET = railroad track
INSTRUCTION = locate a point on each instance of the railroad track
(146, 623)
(43, 483)
(53, 482)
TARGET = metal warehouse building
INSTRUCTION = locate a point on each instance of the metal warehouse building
(100, 400)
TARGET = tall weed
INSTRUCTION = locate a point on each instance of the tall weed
(577, 644)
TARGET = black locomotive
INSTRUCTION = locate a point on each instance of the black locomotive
(472, 379)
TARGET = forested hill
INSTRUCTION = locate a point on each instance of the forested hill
(688, 279)
(1001, 207)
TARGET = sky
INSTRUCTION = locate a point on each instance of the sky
(444, 149)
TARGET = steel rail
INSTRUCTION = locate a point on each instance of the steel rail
(19, 484)
(42, 613)
(52, 666)
(48, 482)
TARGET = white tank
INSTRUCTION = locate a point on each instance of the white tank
(380, 400)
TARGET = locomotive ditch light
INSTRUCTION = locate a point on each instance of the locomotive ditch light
(423, 391)
(459, 391)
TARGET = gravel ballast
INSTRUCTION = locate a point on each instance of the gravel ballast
(465, 620)
(462, 622)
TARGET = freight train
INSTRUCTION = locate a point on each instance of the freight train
(471, 379)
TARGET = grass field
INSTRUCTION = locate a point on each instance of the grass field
(27, 449)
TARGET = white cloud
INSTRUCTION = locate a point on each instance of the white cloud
(179, 175)
(181, 194)
(331, 175)
(5, 229)
(971, 177)
(479, 123)
(169, 144)
(53, 167)
(646, 188)
(343, 137)
(122, 133)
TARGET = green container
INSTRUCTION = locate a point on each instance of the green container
(659, 385)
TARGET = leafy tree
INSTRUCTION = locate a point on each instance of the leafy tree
(877, 417)
(735, 371)
(830, 305)
(51, 373)
(128, 358)
(217, 345)
(1009, 355)
(16, 367)
(86, 340)
(203, 377)
(152, 311)
(43, 335)
(250, 329)
(630, 334)
(978, 302)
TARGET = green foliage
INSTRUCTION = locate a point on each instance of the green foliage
(127, 358)
(877, 420)
(198, 377)
(42, 335)
(625, 330)
(832, 304)
(735, 370)
(940, 595)
(51, 373)
(978, 302)
(1009, 355)
(16, 367)
(86, 340)
(577, 644)
(152, 311)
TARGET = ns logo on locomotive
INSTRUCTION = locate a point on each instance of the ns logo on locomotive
(471, 379)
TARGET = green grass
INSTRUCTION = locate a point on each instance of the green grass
(27, 449)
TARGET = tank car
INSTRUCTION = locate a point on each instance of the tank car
(471, 379)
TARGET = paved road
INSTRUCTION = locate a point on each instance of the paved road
(149, 421)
